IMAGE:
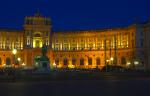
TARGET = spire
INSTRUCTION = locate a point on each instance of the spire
(38, 14)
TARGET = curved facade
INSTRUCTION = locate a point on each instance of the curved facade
(125, 46)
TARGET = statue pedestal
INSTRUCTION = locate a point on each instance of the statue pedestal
(43, 65)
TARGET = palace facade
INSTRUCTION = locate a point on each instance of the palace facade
(124, 46)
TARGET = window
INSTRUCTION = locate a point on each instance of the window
(123, 60)
(7, 45)
(81, 61)
(141, 44)
(74, 48)
(132, 33)
(90, 45)
(66, 47)
(90, 61)
(90, 39)
(46, 33)
(73, 40)
(57, 61)
(98, 62)
(56, 48)
(16, 45)
(82, 40)
(37, 35)
(28, 41)
(56, 40)
(82, 48)
(28, 33)
(65, 40)
(29, 21)
(73, 61)
(47, 43)
(17, 40)
(65, 61)
(8, 61)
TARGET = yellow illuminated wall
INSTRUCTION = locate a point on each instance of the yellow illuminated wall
(72, 49)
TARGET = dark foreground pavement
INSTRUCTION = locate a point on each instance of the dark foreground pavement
(109, 87)
(99, 85)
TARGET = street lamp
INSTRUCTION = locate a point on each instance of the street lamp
(107, 65)
(18, 59)
(14, 52)
(4, 64)
(107, 61)
(111, 59)
(54, 64)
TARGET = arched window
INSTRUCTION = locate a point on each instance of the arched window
(90, 61)
(65, 61)
(98, 61)
(81, 61)
(57, 61)
(73, 61)
(123, 60)
(0, 61)
(37, 35)
(8, 61)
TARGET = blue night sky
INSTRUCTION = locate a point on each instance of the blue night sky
(75, 14)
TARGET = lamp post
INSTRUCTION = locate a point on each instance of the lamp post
(19, 59)
(14, 52)
(107, 61)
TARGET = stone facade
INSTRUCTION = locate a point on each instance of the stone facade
(121, 46)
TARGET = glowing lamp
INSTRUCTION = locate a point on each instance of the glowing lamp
(14, 51)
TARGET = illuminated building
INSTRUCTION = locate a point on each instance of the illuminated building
(123, 46)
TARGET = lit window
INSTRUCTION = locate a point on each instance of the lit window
(46, 33)
(47, 43)
(28, 41)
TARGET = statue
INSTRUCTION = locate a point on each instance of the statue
(43, 63)
(44, 49)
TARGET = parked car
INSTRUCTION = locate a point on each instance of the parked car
(110, 68)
